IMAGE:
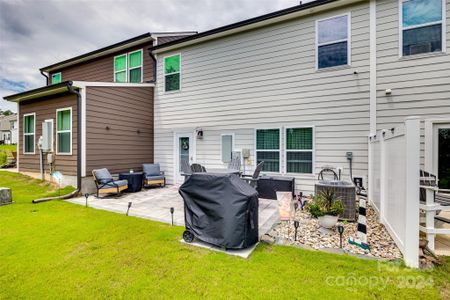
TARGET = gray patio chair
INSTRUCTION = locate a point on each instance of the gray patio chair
(235, 162)
(252, 180)
(197, 168)
(106, 184)
(153, 175)
(185, 167)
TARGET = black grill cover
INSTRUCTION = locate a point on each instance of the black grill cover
(221, 209)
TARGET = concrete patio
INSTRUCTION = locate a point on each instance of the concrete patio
(155, 203)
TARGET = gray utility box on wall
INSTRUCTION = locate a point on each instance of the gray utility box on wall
(343, 190)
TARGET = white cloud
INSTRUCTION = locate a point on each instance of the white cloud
(37, 33)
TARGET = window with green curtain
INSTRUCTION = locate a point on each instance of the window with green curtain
(268, 149)
(135, 66)
(120, 68)
(64, 131)
(56, 78)
(172, 73)
(299, 150)
(28, 133)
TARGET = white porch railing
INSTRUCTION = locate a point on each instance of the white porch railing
(394, 167)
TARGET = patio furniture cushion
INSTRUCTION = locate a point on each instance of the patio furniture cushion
(159, 177)
(151, 169)
(115, 184)
(103, 175)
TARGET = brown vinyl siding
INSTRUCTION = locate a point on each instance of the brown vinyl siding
(125, 111)
(166, 39)
(46, 109)
(102, 68)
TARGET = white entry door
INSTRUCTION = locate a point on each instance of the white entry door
(184, 153)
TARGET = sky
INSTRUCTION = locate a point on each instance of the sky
(37, 33)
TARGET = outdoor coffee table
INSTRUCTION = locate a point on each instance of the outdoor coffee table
(134, 181)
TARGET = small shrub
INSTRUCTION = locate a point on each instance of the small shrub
(325, 203)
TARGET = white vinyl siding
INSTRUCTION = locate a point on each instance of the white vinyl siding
(267, 78)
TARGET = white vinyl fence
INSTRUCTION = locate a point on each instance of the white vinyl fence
(394, 172)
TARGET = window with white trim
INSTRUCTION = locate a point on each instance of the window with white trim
(120, 68)
(268, 149)
(299, 150)
(64, 131)
(135, 66)
(227, 147)
(172, 75)
(56, 78)
(421, 23)
(29, 126)
(333, 45)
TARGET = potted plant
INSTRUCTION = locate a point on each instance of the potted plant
(326, 207)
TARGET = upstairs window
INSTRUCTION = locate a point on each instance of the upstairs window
(421, 23)
(29, 126)
(299, 150)
(135, 66)
(333, 45)
(64, 131)
(120, 68)
(172, 73)
(56, 78)
(268, 149)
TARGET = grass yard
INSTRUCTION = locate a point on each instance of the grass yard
(5, 150)
(62, 250)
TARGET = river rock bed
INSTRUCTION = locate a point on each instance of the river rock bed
(310, 235)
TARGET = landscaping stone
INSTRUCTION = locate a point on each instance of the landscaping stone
(309, 234)
(5, 196)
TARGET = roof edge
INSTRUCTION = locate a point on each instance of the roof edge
(99, 52)
(53, 89)
(259, 21)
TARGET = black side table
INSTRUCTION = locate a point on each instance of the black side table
(134, 181)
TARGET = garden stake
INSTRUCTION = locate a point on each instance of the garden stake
(129, 205)
(171, 212)
(296, 224)
(340, 229)
(87, 196)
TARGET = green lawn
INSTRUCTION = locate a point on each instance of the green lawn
(61, 250)
(4, 151)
